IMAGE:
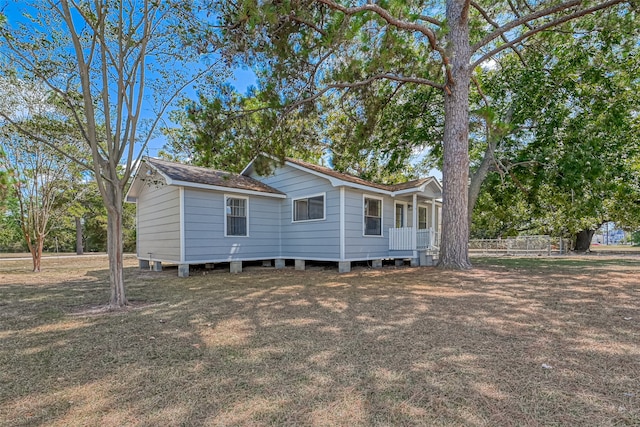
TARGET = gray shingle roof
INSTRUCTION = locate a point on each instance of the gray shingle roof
(200, 175)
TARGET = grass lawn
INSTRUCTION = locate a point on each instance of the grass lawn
(513, 342)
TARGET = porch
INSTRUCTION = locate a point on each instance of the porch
(411, 239)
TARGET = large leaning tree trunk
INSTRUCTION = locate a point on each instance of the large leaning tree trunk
(583, 240)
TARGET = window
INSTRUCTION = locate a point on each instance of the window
(307, 209)
(399, 215)
(423, 223)
(236, 216)
(372, 217)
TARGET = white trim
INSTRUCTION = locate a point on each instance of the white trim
(182, 230)
(337, 182)
(342, 223)
(137, 183)
(368, 196)
(426, 208)
(169, 261)
(228, 189)
(405, 213)
(248, 166)
(433, 215)
(307, 258)
(137, 230)
(421, 188)
(414, 223)
(324, 208)
(224, 213)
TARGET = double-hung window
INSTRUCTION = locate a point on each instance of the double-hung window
(236, 216)
(372, 216)
(308, 208)
(423, 223)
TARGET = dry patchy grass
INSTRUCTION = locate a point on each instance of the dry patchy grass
(397, 346)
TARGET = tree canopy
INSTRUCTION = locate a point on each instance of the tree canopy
(310, 48)
(569, 160)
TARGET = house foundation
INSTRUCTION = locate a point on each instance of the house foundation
(266, 263)
(344, 266)
(157, 266)
(426, 260)
(183, 270)
(279, 263)
(235, 267)
(399, 262)
(209, 266)
(376, 263)
(300, 264)
(143, 264)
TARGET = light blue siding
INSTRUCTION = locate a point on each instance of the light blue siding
(158, 216)
(272, 233)
(357, 245)
(205, 239)
(312, 240)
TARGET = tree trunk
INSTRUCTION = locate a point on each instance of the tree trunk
(583, 240)
(36, 252)
(478, 178)
(79, 245)
(454, 250)
(115, 246)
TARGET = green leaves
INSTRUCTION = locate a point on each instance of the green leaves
(225, 130)
(571, 153)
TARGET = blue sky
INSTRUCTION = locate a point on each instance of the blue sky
(242, 78)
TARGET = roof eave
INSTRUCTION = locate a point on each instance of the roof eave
(227, 189)
(337, 182)
(131, 196)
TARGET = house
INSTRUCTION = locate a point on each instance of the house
(189, 215)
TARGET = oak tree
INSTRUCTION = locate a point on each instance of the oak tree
(311, 47)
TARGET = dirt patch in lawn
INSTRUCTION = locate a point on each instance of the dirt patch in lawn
(512, 342)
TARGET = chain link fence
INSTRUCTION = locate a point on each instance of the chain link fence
(521, 245)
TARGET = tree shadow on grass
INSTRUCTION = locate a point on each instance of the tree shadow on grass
(373, 347)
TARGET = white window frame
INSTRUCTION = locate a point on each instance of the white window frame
(324, 208)
(405, 213)
(233, 196)
(364, 222)
(427, 219)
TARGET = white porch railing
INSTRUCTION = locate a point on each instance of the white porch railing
(403, 239)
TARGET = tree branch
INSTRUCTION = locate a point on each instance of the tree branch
(44, 141)
(493, 23)
(346, 85)
(532, 16)
(551, 24)
(398, 23)
(430, 20)
(515, 11)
